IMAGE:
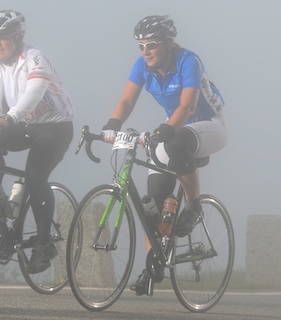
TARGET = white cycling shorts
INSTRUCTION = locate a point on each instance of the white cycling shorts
(212, 136)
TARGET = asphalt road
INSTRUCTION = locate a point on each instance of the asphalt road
(23, 303)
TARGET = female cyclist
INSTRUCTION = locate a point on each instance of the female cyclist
(195, 124)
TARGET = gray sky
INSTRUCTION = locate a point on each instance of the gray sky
(91, 45)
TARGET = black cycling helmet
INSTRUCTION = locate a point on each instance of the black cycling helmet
(12, 23)
(155, 27)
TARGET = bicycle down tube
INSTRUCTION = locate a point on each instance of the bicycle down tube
(129, 188)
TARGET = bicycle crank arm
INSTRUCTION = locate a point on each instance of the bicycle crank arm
(106, 247)
(21, 253)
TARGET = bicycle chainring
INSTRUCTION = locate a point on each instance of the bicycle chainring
(154, 267)
(6, 247)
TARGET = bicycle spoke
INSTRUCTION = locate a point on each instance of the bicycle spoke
(54, 278)
(100, 274)
(201, 280)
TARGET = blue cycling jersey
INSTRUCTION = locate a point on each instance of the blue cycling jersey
(186, 71)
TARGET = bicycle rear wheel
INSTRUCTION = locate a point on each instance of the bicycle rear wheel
(204, 260)
(102, 272)
(54, 278)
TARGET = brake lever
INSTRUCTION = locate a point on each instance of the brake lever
(147, 145)
(85, 131)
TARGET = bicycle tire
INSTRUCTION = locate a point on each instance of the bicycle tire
(101, 274)
(200, 284)
(54, 278)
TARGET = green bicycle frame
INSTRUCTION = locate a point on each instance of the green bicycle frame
(122, 191)
(127, 188)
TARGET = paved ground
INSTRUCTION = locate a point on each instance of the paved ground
(23, 303)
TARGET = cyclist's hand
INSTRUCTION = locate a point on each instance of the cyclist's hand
(165, 133)
(154, 141)
(3, 123)
(143, 138)
(109, 130)
(108, 136)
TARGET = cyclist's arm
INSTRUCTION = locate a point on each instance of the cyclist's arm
(188, 103)
(127, 102)
(191, 81)
(35, 90)
(37, 83)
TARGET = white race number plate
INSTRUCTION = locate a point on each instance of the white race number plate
(124, 140)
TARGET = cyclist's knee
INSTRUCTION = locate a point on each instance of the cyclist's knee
(159, 187)
(181, 161)
(35, 178)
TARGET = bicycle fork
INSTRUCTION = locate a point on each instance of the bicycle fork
(118, 192)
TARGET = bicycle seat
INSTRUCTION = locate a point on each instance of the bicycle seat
(202, 162)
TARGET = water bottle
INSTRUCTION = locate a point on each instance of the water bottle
(167, 216)
(151, 209)
(16, 198)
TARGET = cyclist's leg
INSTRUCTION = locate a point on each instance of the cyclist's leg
(11, 139)
(212, 135)
(49, 143)
(159, 187)
(54, 278)
(181, 160)
(199, 139)
(14, 138)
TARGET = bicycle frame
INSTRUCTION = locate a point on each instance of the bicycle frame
(197, 282)
(15, 238)
(127, 188)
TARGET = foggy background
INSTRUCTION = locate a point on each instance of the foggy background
(91, 45)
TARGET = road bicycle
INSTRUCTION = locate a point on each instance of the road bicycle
(198, 265)
(18, 236)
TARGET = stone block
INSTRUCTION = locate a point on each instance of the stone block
(263, 251)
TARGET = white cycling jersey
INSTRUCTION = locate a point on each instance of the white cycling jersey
(34, 86)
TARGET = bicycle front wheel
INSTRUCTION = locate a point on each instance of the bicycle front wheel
(204, 259)
(54, 278)
(107, 249)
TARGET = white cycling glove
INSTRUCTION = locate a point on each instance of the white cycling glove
(142, 138)
(109, 130)
(109, 135)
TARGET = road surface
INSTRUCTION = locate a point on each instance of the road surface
(23, 303)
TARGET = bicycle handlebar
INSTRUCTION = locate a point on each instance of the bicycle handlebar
(88, 137)
(151, 143)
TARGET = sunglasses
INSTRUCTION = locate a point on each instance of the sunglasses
(149, 45)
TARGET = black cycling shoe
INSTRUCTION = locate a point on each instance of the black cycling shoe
(187, 220)
(41, 257)
(143, 285)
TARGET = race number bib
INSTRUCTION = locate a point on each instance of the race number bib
(124, 140)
